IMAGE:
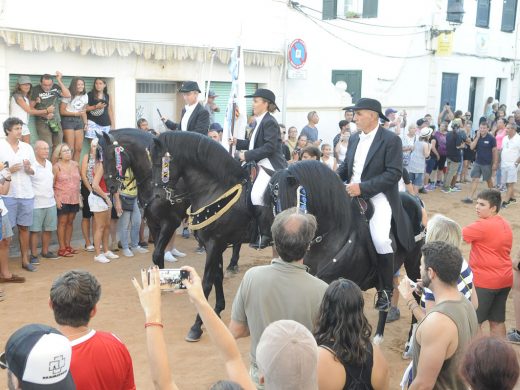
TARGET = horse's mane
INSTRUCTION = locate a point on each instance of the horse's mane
(142, 137)
(326, 194)
(200, 151)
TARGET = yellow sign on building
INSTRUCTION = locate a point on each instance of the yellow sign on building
(444, 44)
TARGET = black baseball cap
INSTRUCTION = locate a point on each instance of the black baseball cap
(39, 356)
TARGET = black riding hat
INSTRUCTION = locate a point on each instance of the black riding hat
(265, 94)
(189, 86)
(368, 104)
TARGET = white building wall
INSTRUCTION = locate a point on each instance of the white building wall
(407, 83)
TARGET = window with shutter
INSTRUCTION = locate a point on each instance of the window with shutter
(353, 78)
(330, 9)
(370, 8)
(455, 11)
(35, 80)
(509, 15)
(482, 13)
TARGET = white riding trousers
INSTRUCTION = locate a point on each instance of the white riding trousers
(261, 183)
(380, 224)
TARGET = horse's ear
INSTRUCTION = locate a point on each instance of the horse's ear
(270, 172)
(106, 138)
(157, 145)
(110, 138)
(291, 180)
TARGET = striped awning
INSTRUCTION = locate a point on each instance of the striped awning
(43, 41)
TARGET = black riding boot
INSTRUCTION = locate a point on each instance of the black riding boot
(385, 287)
(262, 236)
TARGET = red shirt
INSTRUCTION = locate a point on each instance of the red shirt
(491, 240)
(100, 361)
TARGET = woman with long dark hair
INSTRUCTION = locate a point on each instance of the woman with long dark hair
(347, 359)
(99, 111)
(74, 116)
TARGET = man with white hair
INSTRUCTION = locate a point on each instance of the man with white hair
(372, 168)
(44, 213)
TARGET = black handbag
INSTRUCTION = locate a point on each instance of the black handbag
(127, 202)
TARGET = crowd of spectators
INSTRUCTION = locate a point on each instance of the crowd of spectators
(317, 338)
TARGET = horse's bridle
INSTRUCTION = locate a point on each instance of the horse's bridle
(277, 209)
(169, 191)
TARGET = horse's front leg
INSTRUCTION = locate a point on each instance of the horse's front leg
(208, 280)
(220, 301)
(167, 228)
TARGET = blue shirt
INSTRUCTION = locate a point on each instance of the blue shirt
(485, 149)
(311, 133)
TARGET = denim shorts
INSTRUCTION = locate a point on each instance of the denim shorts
(72, 123)
(20, 211)
(44, 219)
(416, 179)
(7, 230)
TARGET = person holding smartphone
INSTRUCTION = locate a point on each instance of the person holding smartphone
(100, 118)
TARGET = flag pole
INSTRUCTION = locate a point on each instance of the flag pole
(232, 148)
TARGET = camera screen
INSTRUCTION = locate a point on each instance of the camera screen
(171, 279)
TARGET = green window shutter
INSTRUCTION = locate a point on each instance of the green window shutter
(222, 89)
(330, 9)
(35, 80)
(509, 15)
(370, 8)
(455, 10)
(353, 78)
(482, 13)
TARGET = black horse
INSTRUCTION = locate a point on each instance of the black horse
(162, 216)
(216, 184)
(342, 246)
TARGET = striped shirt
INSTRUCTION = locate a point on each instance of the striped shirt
(464, 285)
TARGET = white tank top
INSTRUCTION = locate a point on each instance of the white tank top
(329, 163)
(17, 111)
(342, 153)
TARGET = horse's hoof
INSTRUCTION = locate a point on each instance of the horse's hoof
(378, 339)
(193, 336)
(231, 271)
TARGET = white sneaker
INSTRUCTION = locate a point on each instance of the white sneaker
(111, 255)
(140, 249)
(89, 248)
(169, 257)
(177, 253)
(101, 259)
(128, 253)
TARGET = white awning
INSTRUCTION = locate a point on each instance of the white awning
(43, 41)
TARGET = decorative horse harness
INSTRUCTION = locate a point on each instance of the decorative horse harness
(205, 215)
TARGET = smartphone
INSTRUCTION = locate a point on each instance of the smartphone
(6, 164)
(171, 279)
(414, 285)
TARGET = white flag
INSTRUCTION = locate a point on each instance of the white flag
(236, 96)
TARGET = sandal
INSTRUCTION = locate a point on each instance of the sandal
(13, 279)
(64, 253)
(72, 250)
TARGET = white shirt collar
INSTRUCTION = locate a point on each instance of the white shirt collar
(363, 136)
(260, 117)
(191, 107)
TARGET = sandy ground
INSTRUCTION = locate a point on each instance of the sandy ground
(194, 366)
